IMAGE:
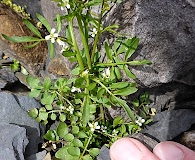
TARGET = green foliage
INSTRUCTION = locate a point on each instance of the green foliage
(78, 103)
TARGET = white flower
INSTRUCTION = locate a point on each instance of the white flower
(63, 44)
(52, 35)
(74, 89)
(114, 132)
(70, 109)
(139, 121)
(106, 73)
(84, 73)
(65, 3)
(94, 32)
(103, 128)
(94, 126)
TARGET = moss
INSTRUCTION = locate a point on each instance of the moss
(16, 8)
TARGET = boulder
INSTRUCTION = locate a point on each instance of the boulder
(13, 142)
(14, 110)
(166, 30)
(169, 124)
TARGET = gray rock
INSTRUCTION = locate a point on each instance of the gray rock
(13, 141)
(166, 30)
(104, 154)
(169, 124)
(14, 110)
(37, 156)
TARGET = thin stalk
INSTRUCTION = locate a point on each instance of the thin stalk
(78, 55)
(115, 64)
(102, 113)
(97, 35)
(86, 146)
(85, 45)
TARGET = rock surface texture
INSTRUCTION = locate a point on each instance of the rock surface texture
(167, 38)
(13, 141)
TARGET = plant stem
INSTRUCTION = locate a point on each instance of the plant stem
(86, 146)
(78, 55)
(97, 35)
(85, 45)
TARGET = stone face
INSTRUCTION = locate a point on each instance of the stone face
(13, 141)
(169, 124)
(166, 30)
(104, 154)
(188, 139)
(14, 110)
(33, 59)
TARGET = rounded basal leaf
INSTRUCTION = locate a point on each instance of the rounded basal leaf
(34, 93)
(63, 154)
(74, 151)
(77, 143)
(32, 81)
(94, 151)
(82, 134)
(45, 122)
(47, 98)
(91, 86)
(47, 83)
(49, 107)
(62, 129)
(51, 135)
(38, 119)
(68, 137)
(126, 91)
(33, 113)
(43, 115)
(87, 157)
(62, 117)
(75, 130)
(53, 116)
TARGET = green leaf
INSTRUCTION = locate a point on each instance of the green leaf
(68, 137)
(32, 45)
(128, 72)
(62, 129)
(34, 93)
(74, 151)
(108, 51)
(79, 82)
(33, 113)
(119, 85)
(131, 47)
(47, 83)
(59, 23)
(117, 121)
(75, 71)
(100, 93)
(75, 129)
(44, 22)
(68, 54)
(137, 63)
(117, 44)
(48, 106)
(62, 117)
(63, 154)
(33, 82)
(43, 115)
(148, 121)
(32, 28)
(135, 102)
(117, 73)
(82, 134)
(94, 151)
(53, 116)
(86, 112)
(87, 157)
(51, 135)
(126, 91)
(51, 50)
(92, 108)
(18, 39)
(123, 103)
(47, 98)
(91, 86)
(77, 143)
(122, 129)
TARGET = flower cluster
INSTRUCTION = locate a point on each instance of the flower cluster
(140, 121)
(52, 36)
(106, 73)
(94, 126)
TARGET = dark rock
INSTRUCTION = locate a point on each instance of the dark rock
(169, 124)
(13, 142)
(104, 154)
(147, 141)
(188, 139)
(14, 110)
(166, 30)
